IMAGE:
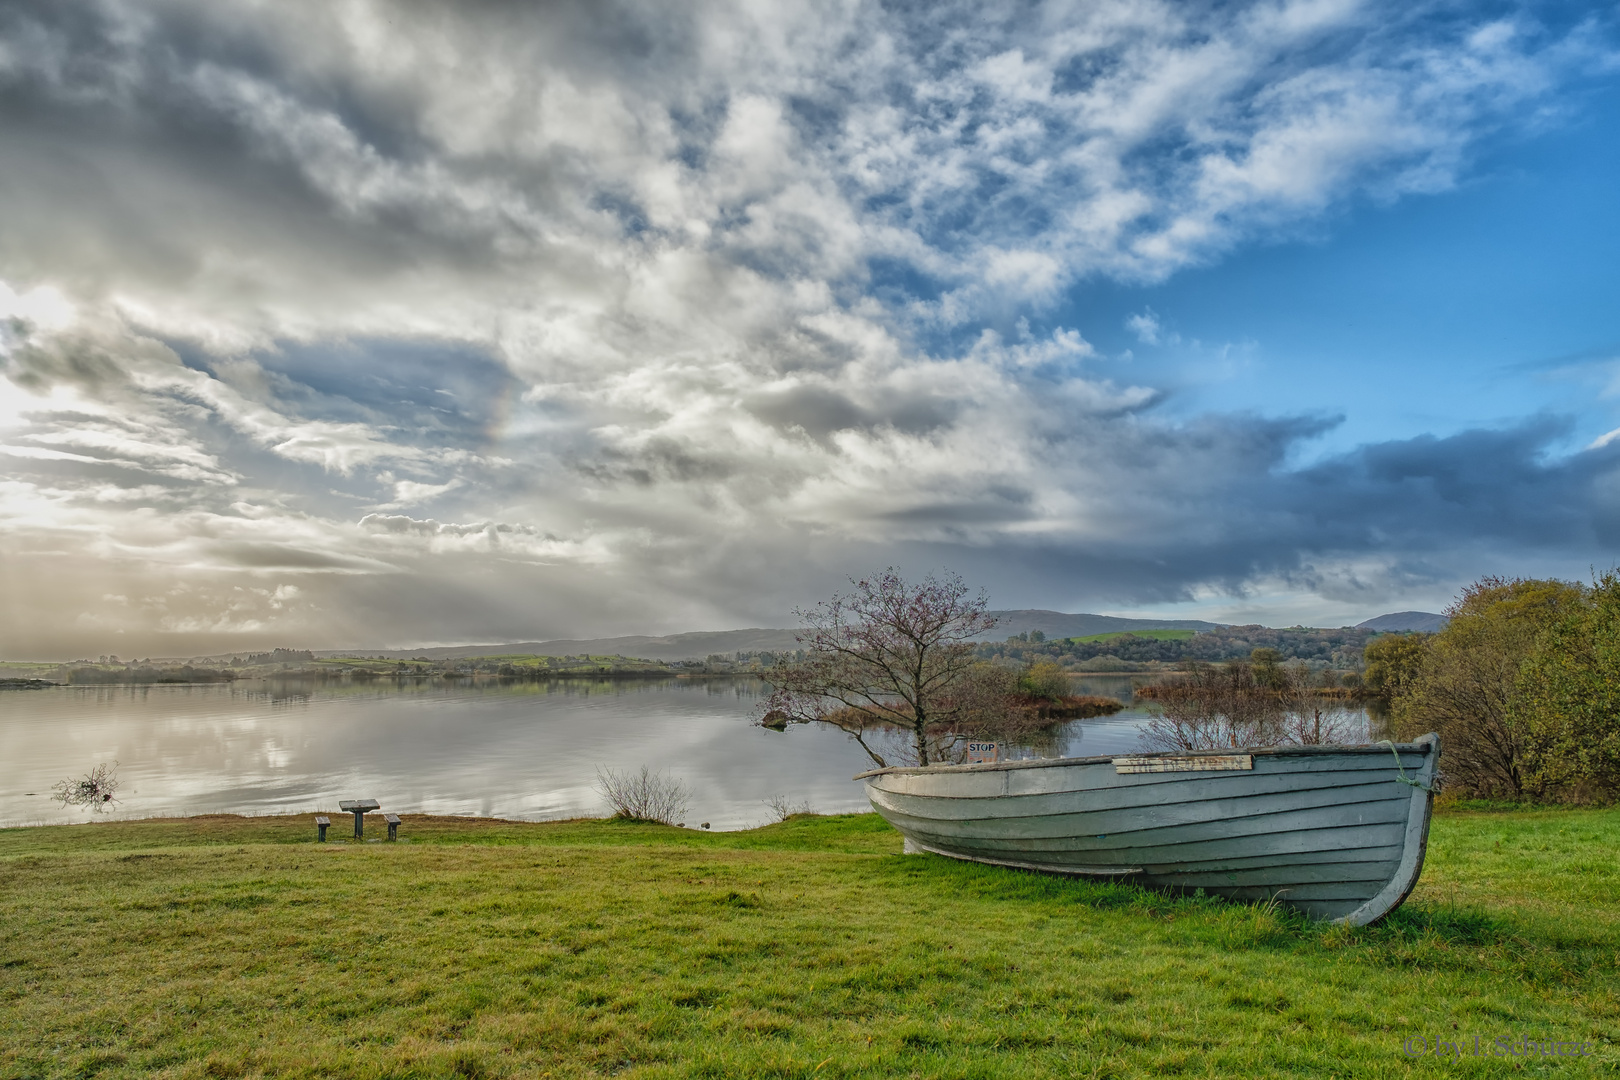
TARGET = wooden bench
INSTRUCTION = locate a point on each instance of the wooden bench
(393, 825)
(321, 822)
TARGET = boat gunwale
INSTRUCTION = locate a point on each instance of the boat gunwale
(1108, 759)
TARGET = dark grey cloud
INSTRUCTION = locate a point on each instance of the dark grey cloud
(1422, 513)
(420, 390)
(820, 411)
(1510, 486)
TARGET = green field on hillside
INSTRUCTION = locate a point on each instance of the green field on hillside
(1156, 635)
(238, 947)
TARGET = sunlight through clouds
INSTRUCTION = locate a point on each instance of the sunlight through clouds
(331, 322)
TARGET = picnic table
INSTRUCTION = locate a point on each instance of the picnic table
(358, 808)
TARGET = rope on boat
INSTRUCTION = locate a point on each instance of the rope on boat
(1400, 768)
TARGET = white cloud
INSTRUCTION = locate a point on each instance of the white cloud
(409, 493)
(1145, 325)
(729, 277)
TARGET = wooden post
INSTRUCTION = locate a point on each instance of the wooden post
(320, 824)
(393, 826)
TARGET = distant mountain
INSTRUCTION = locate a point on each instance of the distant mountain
(1057, 624)
(1425, 622)
(698, 645)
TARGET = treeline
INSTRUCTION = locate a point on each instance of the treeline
(525, 667)
(144, 674)
(274, 656)
(1341, 648)
(1523, 687)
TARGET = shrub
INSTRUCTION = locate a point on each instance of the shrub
(644, 796)
(1044, 679)
(1568, 701)
(1108, 662)
(1393, 663)
(1467, 685)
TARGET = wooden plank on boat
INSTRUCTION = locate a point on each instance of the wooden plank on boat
(1275, 810)
(1188, 763)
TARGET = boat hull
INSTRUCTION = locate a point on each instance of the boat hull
(1336, 832)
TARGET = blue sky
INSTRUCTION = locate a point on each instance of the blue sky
(335, 324)
(1470, 307)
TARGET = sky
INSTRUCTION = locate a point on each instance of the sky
(327, 323)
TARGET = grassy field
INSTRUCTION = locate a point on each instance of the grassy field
(1156, 635)
(237, 947)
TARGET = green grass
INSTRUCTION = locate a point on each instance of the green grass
(224, 947)
(1156, 635)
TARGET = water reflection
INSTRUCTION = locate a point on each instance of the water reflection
(457, 746)
(462, 746)
(1121, 687)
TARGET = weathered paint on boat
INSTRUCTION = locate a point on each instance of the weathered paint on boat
(1337, 832)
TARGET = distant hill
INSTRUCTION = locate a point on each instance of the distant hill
(1057, 624)
(1426, 622)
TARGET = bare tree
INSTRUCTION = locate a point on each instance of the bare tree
(1239, 705)
(1312, 718)
(644, 796)
(1213, 708)
(889, 655)
(783, 807)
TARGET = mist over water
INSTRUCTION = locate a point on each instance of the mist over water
(504, 749)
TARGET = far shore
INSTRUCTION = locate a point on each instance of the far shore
(481, 676)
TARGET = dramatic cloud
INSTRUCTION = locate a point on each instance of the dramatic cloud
(683, 315)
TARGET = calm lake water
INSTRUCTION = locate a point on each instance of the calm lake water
(513, 750)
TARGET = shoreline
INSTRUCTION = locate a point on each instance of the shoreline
(322, 676)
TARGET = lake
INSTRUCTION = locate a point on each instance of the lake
(503, 749)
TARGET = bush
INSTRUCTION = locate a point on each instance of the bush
(644, 796)
(1108, 662)
(1044, 679)
(1393, 663)
(1466, 688)
(1568, 701)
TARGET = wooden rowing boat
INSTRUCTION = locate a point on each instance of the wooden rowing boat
(1338, 832)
